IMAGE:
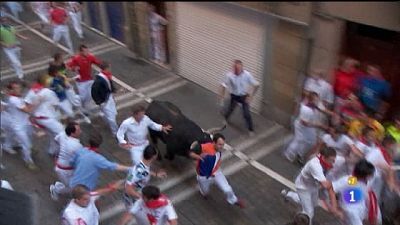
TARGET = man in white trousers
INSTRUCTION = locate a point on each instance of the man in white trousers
(136, 130)
(6, 132)
(42, 10)
(69, 143)
(44, 101)
(59, 19)
(308, 183)
(11, 46)
(102, 90)
(208, 158)
(75, 13)
(82, 64)
(21, 126)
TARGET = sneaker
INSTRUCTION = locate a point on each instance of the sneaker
(53, 193)
(10, 151)
(284, 193)
(240, 203)
(87, 120)
(31, 166)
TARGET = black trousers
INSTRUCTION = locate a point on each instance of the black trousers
(245, 107)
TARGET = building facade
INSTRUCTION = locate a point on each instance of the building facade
(278, 42)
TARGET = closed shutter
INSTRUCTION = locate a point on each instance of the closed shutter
(211, 35)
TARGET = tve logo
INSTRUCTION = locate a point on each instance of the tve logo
(352, 195)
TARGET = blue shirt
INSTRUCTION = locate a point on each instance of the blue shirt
(58, 86)
(373, 91)
(87, 164)
(207, 165)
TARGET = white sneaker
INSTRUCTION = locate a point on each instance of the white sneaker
(10, 151)
(53, 193)
(284, 193)
(87, 120)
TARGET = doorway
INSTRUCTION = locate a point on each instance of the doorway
(158, 40)
(373, 45)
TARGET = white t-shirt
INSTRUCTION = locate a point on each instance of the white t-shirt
(376, 158)
(14, 108)
(365, 149)
(68, 147)
(354, 211)
(161, 215)
(321, 87)
(341, 145)
(308, 115)
(77, 215)
(239, 84)
(45, 101)
(310, 176)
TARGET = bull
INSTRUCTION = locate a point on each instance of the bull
(184, 131)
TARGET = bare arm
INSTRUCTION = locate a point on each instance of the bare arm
(110, 188)
(122, 167)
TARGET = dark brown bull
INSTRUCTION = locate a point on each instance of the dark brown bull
(184, 131)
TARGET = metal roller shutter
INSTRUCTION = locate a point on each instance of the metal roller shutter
(211, 35)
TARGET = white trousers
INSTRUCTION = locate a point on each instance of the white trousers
(84, 89)
(308, 199)
(53, 127)
(137, 153)
(76, 19)
(6, 132)
(43, 15)
(220, 180)
(157, 46)
(14, 55)
(62, 31)
(64, 176)
(66, 108)
(110, 113)
(23, 134)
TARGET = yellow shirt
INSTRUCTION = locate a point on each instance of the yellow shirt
(356, 127)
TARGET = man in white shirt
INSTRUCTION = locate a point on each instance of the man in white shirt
(242, 87)
(21, 126)
(81, 210)
(69, 143)
(156, 206)
(305, 129)
(308, 183)
(138, 177)
(136, 130)
(44, 101)
(357, 210)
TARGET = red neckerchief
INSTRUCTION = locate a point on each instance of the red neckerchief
(157, 203)
(372, 207)
(12, 94)
(36, 87)
(93, 149)
(385, 154)
(325, 165)
(107, 73)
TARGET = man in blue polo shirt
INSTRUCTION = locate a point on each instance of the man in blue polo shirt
(88, 162)
(374, 90)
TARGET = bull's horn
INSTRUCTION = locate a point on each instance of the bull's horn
(216, 129)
